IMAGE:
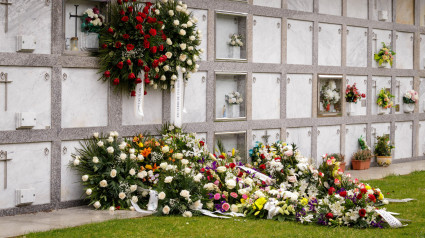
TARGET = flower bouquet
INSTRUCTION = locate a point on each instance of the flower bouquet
(329, 96)
(352, 96)
(236, 40)
(384, 101)
(92, 20)
(233, 100)
(410, 98)
(385, 55)
(383, 150)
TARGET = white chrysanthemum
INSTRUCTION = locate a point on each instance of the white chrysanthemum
(110, 139)
(163, 78)
(96, 135)
(123, 156)
(231, 183)
(182, 32)
(100, 143)
(171, 12)
(192, 38)
(176, 22)
(76, 162)
(209, 186)
(185, 161)
(183, 46)
(140, 157)
(187, 170)
(122, 145)
(95, 160)
(163, 165)
(134, 199)
(165, 149)
(183, 57)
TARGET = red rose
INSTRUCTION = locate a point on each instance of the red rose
(221, 157)
(157, 76)
(343, 193)
(146, 10)
(139, 62)
(232, 165)
(148, 4)
(131, 76)
(141, 32)
(240, 174)
(151, 19)
(362, 212)
(263, 166)
(139, 13)
(201, 143)
(133, 93)
(143, 16)
(372, 197)
(363, 190)
(122, 12)
(161, 48)
(160, 23)
(110, 30)
(147, 81)
(120, 65)
(124, 18)
(130, 9)
(119, 2)
(329, 215)
(139, 26)
(139, 19)
(116, 81)
(146, 69)
(104, 46)
(146, 44)
(118, 44)
(153, 49)
(128, 62)
(126, 36)
(125, 0)
(107, 74)
(359, 196)
(147, 36)
(88, 19)
(202, 170)
(164, 37)
(130, 47)
(331, 190)
(138, 80)
(262, 156)
(152, 32)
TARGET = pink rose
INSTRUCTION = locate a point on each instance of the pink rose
(234, 195)
(329, 162)
(244, 196)
(217, 196)
(337, 182)
(225, 206)
(289, 153)
(217, 182)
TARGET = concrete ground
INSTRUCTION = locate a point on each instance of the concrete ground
(43, 221)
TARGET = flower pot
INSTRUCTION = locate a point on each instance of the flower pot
(382, 111)
(235, 52)
(233, 110)
(384, 161)
(351, 108)
(342, 166)
(360, 164)
(408, 107)
(90, 41)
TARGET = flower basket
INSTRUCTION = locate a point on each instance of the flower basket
(360, 164)
(408, 107)
(384, 161)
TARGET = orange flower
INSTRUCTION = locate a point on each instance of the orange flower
(135, 139)
(146, 152)
(142, 168)
(153, 168)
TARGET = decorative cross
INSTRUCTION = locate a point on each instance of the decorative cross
(3, 158)
(76, 18)
(3, 79)
(266, 137)
(6, 13)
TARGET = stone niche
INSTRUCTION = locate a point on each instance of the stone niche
(299, 91)
(361, 84)
(404, 51)
(405, 12)
(378, 37)
(329, 44)
(328, 141)
(268, 3)
(265, 96)
(331, 7)
(84, 98)
(422, 96)
(228, 24)
(356, 46)
(267, 49)
(352, 134)
(201, 136)
(403, 140)
(28, 90)
(302, 138)
(379, 129)
(300, 5)
(300, 42)
(421, 139)
(71, 188)
(29, 168)
(194, 101)
(152, 108)
(268, 136)
(422, 53)
(230, 96)
(403, 84)
(357, 8)
(230, 140)
(378, 84)
(27, 18)
(202, 25)
(382, 10)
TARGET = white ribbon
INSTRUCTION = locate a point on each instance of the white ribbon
(139, 99)
(390, 219)
(152, 204)
(184, 96)
(233, 214)
(259, 175)
(211, 214)
(271, 207)
(177, 101)
(399, 200)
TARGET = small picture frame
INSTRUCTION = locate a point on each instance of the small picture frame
(329, 95)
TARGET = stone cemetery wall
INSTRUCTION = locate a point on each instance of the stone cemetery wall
(287, 44)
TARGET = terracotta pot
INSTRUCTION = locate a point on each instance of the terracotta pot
(342, 166)
(384, 161)
(360, 164)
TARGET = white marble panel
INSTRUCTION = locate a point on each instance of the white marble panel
(331, 7)
(352, 135)
(266, 96)
(230, 141)
(357, 8)
(382, 5)
(194, 102)
(404, 56)
(299, 92)
(152, 108)
(300, 42)
(84, 99)
(356, 46)
(29, 91)
(302, 138)
(380, 36)
(328, 141)
(379, 129)
(272, 136)
(422, 96)
(300, 5)
(422, 53)
(201, 136)
(381, 82)
(267, 49)
(202, 25)
(268, 3)
(405, 12)
(26, 17)
(421, 139)
(403, 140)
(30, 168)
(406, 83)
(329, 44)
(361, 85)
(71, 188)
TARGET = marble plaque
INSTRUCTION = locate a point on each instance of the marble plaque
(28, 18)
(379, 129)
(194, 102)
(380, 36)
(352, 135)
(357, 8)
(403, 140)
(403, 84)
(29, 91)
(299, 90)
(421, 139)
(267, 49)
(71, 188)
(331, 7)
(379, 6)
(422, 96)
(30, 168)
(225, 27)
(329, 44)
(405, 12)
(268, 136)
(152, 108)
(265, 96)
(356, 46)
(84, 98)
(268, 3)
(202, 25)
(300, 42)
(361, 85)
(377, 85)
(422, 53)
(404, 56)
(328, 141)
(300, 5)
(302, 138)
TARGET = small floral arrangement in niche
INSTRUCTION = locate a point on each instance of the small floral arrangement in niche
(385, 55)
(236, 40)
(383, 146)
(385, 99)
(92, 20)
(234, 98)
(411, 97)
(352, 94)
(329, 95)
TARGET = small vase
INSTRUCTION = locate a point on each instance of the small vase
(408, 107)
(90, 41)
(382, 111)
(233, 110)
(360, 164)
(351, 108)
(235, 52)
(384, 161)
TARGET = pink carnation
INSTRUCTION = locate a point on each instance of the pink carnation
(234, 195)
(244, 196)
(225, 206)
(217, 196)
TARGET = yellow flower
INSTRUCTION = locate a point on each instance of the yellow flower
(304, 201)
(368, 187)
(233, 152)
(259, 203)
(256, 213)
(140, 144)
(381, 197)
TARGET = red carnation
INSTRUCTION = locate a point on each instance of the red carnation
(126, 36)
(363, 95)
(146, 44)
(363, 190)
(263, 166)
(104, 46)
(343, 193)
(151, 19)
(164, 37)
(232, 165)
(152, 32)
(372, 197)
(110, 30)
(118, 44)
(148, 4)
(147, 81)
(146, 69)
(128, 62)
(130, 47)
(161, 48)
(131, 76)
(116, 81)
(107, 74)
(139, 62)
(154, 49)
(329, 215)
(202, 169)
(120, 65)
(133, 93)
(146, 10)
(331, 190)
(138, 80)
(130, 9)
(143, 16)
(124, 18)
(362, 212)
(359, 196)
(139, 19)
(201, 143)
(139, 26)
(119, 2)
(122, 12)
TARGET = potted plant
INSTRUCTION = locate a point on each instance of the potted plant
(352, 96)
(383, 150)
(384, 101)
(384, 56)
(361, 159)
(410, 98)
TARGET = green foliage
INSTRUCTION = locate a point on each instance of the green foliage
(383, 146)
(385, 99)
(385, 55)
(362, 155)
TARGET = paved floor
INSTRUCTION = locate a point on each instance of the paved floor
(71, 217)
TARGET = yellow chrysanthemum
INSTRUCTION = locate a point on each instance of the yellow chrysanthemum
(304, 201)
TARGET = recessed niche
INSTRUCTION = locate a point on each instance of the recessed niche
(230, 38)
(230, 141)
(329, 95)
(230, 96)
